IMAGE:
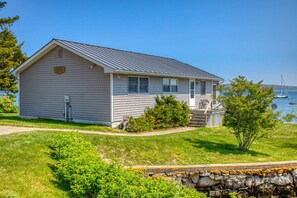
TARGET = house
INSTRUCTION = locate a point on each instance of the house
(93, 84)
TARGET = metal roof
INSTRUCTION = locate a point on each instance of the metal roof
(121, 61)
(126, 61)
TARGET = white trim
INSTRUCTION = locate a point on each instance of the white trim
(51, 45)
(170, 92)
(19, 91)
(138, 86)
(111, 97)
(163, 75)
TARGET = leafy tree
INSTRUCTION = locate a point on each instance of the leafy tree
(248, 113)
(11, 55)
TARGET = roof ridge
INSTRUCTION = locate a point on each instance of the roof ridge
(113, 48)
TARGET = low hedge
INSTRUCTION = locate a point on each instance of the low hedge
(167, 113)
(85, 174)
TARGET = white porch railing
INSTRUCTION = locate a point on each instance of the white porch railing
(211, 107)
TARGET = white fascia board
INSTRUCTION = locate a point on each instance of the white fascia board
(48, 47)
(106, 68)
(51, 45)
(163, 75)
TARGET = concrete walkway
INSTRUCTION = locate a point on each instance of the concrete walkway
(6, 130)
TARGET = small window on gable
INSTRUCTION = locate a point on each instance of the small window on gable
(138, 85)
(170, 85)
(60, 53)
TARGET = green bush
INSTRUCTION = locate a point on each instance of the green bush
(167, 113)
(7, 104)
(289, 117)
(80, 169)
(140, 124)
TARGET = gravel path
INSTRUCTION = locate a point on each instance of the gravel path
(6, 130)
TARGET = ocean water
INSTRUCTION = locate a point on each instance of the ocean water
(282, 103)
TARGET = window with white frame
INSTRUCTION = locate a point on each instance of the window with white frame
(138, 85)
(170, 85)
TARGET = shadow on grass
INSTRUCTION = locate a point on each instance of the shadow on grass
(39, 122)
(289, 145)
(57, 183)
(222, 147)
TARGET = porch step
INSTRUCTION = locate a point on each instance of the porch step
(198, 118)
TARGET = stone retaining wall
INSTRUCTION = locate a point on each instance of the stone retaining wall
(278, 179)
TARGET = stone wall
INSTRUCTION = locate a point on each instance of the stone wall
(257, 179)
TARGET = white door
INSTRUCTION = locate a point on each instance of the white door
(192, 93)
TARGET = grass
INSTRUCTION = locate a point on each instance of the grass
(26, 164)
(11, 119)
(201, 146)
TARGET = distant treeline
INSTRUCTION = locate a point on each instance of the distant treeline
(279, 87)
(273, 86)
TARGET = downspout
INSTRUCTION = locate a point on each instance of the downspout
(111, 99)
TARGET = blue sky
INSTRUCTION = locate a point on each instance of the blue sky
(254, 38)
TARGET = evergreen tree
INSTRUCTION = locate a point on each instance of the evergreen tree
(11, 55)
(6, 22)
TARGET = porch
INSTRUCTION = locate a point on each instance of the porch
(209, 114)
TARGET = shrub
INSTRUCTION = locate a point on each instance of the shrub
(289, 117)
(167, 113)
(7, 104)
(86, 175)
(139, 124)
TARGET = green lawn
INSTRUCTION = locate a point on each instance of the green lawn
(201, 146)
(12, 119)
(25, 166)
(25, 162)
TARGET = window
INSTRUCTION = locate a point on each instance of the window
(138, 85)
(170, 85)
(133, 85)
(166, 85)
(192, 89)
(143, 85)
(60, 53)
(203, 87)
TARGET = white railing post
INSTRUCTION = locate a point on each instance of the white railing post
(205, 112)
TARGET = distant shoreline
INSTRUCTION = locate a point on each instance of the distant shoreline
(276, 87)
(279, 87)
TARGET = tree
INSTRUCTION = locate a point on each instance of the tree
(11, 55)
(7, 22)
(248, 113)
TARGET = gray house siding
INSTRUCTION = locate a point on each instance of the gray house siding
(42, 91)
(135, 104)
